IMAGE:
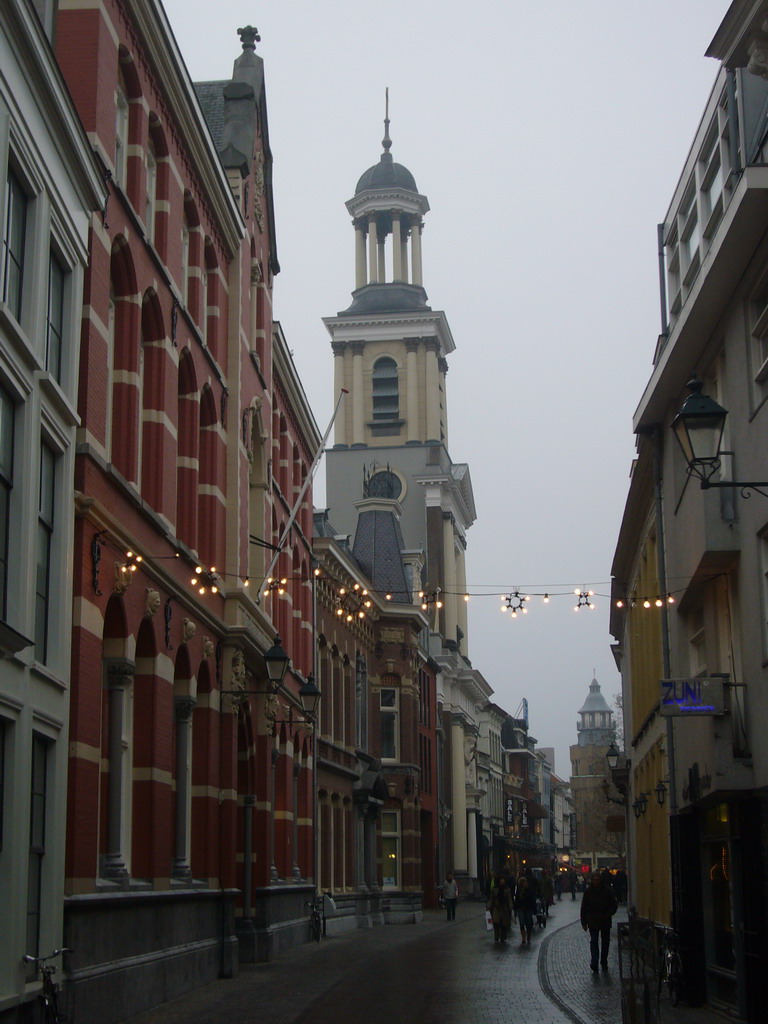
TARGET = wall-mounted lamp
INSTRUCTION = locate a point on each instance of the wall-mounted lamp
(612, 756)
(661, 791)
(309, 696)
(640, 806)
(276, 661)
(699, 428)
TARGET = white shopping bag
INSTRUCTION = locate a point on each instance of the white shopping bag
(488, 921)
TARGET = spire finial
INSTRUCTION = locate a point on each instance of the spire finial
(249, 36)
(386, 141)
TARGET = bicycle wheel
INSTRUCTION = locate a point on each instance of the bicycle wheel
(315, 925)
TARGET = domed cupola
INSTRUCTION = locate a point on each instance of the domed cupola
(387, 211)
(386, 173)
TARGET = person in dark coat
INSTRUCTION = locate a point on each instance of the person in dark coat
(500, 906)
(597, 909)
(525, 905)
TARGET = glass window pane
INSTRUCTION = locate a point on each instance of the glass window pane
(388, 736)
(389, 821)
(47, 483)
(15, 233)
(55, 317)
(6, 483)
(388, 698)
(389, 862)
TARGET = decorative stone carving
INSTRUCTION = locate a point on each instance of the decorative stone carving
(758, 56)
(183, 708)
(153, 603)
(238, 670)
(271, 708)
(209, 648)
(188, 630)
(123, 577)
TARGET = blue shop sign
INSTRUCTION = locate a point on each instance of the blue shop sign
(685, 697)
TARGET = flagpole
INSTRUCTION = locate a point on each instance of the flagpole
(302, 492)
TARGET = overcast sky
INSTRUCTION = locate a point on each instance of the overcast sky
(548, 138)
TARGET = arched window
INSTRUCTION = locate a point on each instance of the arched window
(187, 452)
(157, 188)
(154, 452)
(121, 134)
(126, 363)
(208, 493)
(386, 405)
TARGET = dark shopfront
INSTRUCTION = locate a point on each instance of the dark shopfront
(721, 905)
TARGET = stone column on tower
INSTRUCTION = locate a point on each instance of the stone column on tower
(358, 399)
(442, 366)
(373, 249)
(461, 604)
(433, 392)
(411, 391)
(449, 577)
(397, 248)
(360, 275)
(339, 384)
(416, 252)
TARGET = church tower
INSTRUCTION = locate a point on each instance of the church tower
(391, 433)
(595, 727)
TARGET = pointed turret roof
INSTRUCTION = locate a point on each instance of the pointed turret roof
(595, 701)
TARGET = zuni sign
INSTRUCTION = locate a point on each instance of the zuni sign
(685, 697)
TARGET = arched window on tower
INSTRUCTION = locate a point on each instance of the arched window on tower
(386, 402)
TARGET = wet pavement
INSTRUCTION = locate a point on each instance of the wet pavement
(436, 971)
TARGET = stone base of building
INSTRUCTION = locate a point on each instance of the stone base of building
(281, 917)
(280, 922)
(134, 950)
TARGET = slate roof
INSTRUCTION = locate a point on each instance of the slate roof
(595, 701)
(386, 174)
(210, 95)
(377, 548)
(387, 298)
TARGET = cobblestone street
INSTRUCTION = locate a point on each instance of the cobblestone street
(435, 971)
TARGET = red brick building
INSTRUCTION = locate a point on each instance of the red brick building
(188, 807)
(377, 768)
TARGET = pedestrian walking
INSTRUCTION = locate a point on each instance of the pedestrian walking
(525, 905)
(558, 884)
(450, 896)
(500, 906)
(572, 884)
(547, 891)
(598, 906)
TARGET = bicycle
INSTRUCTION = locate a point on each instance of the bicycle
(49, 992)
(670, 967)
(315, 918)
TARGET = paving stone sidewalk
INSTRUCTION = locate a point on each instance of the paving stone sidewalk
(436, 972)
